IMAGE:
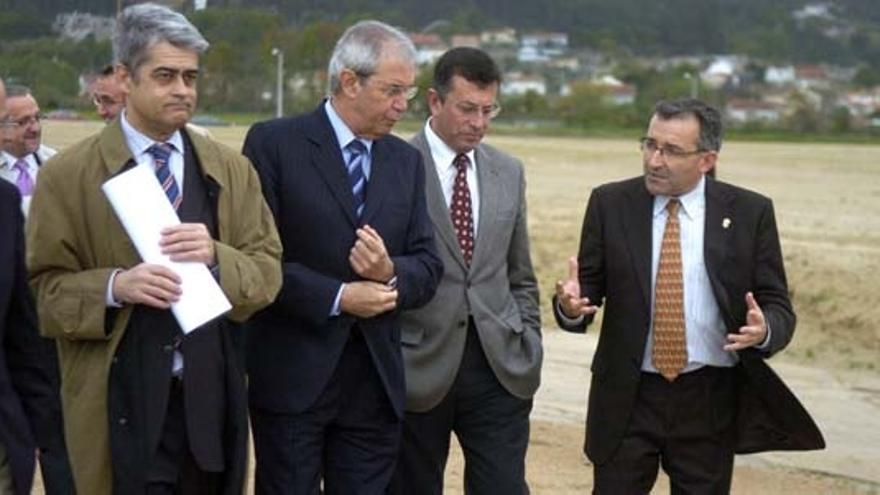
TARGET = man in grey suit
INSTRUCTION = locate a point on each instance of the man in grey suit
(473, 354)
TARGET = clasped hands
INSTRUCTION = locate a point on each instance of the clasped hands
(156, 285)
(573, 306)
(369, 259)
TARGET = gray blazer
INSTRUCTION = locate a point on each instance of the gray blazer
(499, 290)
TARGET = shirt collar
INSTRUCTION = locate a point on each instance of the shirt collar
(691, 201)
(341, 129)
(8, 161)
(138, 142)
(441, 152)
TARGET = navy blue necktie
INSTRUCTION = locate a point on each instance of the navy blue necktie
(356, 179)
(161, 154)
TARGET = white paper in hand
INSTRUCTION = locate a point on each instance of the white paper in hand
(144, 210)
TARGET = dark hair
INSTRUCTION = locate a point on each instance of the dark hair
(474, 65)
(107, 70)
(708, 117)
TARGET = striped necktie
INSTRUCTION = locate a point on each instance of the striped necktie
(161, 153)
(357, 153)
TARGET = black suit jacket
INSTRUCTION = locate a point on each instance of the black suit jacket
(742, 253)
(294, 345)
(26, 391)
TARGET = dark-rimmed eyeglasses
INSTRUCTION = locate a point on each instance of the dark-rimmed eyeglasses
(104, 101)
(24, 121)
(649, 146)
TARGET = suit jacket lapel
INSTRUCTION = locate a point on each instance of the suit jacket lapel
(717, 240)
(327, 159)
(638, 226)
(380, 183)
(437, 208)
(490, 196)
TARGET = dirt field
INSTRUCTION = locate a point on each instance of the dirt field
(827, 199)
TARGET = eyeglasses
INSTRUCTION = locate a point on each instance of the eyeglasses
(649, 146)
(24, 121)
(392, 91)
(104, 101)
(471, 110)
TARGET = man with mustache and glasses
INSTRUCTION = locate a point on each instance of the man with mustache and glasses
(689, 271)
(148, 409)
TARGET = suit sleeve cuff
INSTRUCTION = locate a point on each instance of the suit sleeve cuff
(110, 300)
(335, 310)
(766, 342)
(565, 319)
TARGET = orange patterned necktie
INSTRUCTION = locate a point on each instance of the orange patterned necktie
(670, 349)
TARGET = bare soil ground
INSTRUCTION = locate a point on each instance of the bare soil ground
(827, 199)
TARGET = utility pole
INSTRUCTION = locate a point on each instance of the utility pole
(279, 83)
(695, 83)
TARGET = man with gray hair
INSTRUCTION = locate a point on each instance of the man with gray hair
(326, 382)
(147, 408)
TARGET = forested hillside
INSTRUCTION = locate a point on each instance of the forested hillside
(762, 28)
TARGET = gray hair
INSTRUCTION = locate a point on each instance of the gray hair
(140, 27)
(707, 115)
(361, 47)
(17, 90)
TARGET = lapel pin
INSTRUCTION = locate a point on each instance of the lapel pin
(725, 223)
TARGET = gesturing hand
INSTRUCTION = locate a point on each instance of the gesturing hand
(755, 330)
(369, 258)
(568, 292)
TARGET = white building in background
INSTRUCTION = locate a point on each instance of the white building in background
(722, 70)
(782, 75)
(742, 111)
(518, 84)
(429, 47)
(499, 37)
(77, 26)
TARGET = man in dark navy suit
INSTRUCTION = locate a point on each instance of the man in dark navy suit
(326, 372)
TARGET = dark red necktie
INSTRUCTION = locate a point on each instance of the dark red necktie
(460, 209)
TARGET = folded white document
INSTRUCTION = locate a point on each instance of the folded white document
(144, 210)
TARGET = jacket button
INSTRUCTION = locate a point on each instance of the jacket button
(123, 421)
(462, 324)
(168, 348)
(115, 359)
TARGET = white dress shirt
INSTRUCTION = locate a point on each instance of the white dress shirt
(344, 136)
(444, 156)
(9, 173)
(138, 143)
(704, 327)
